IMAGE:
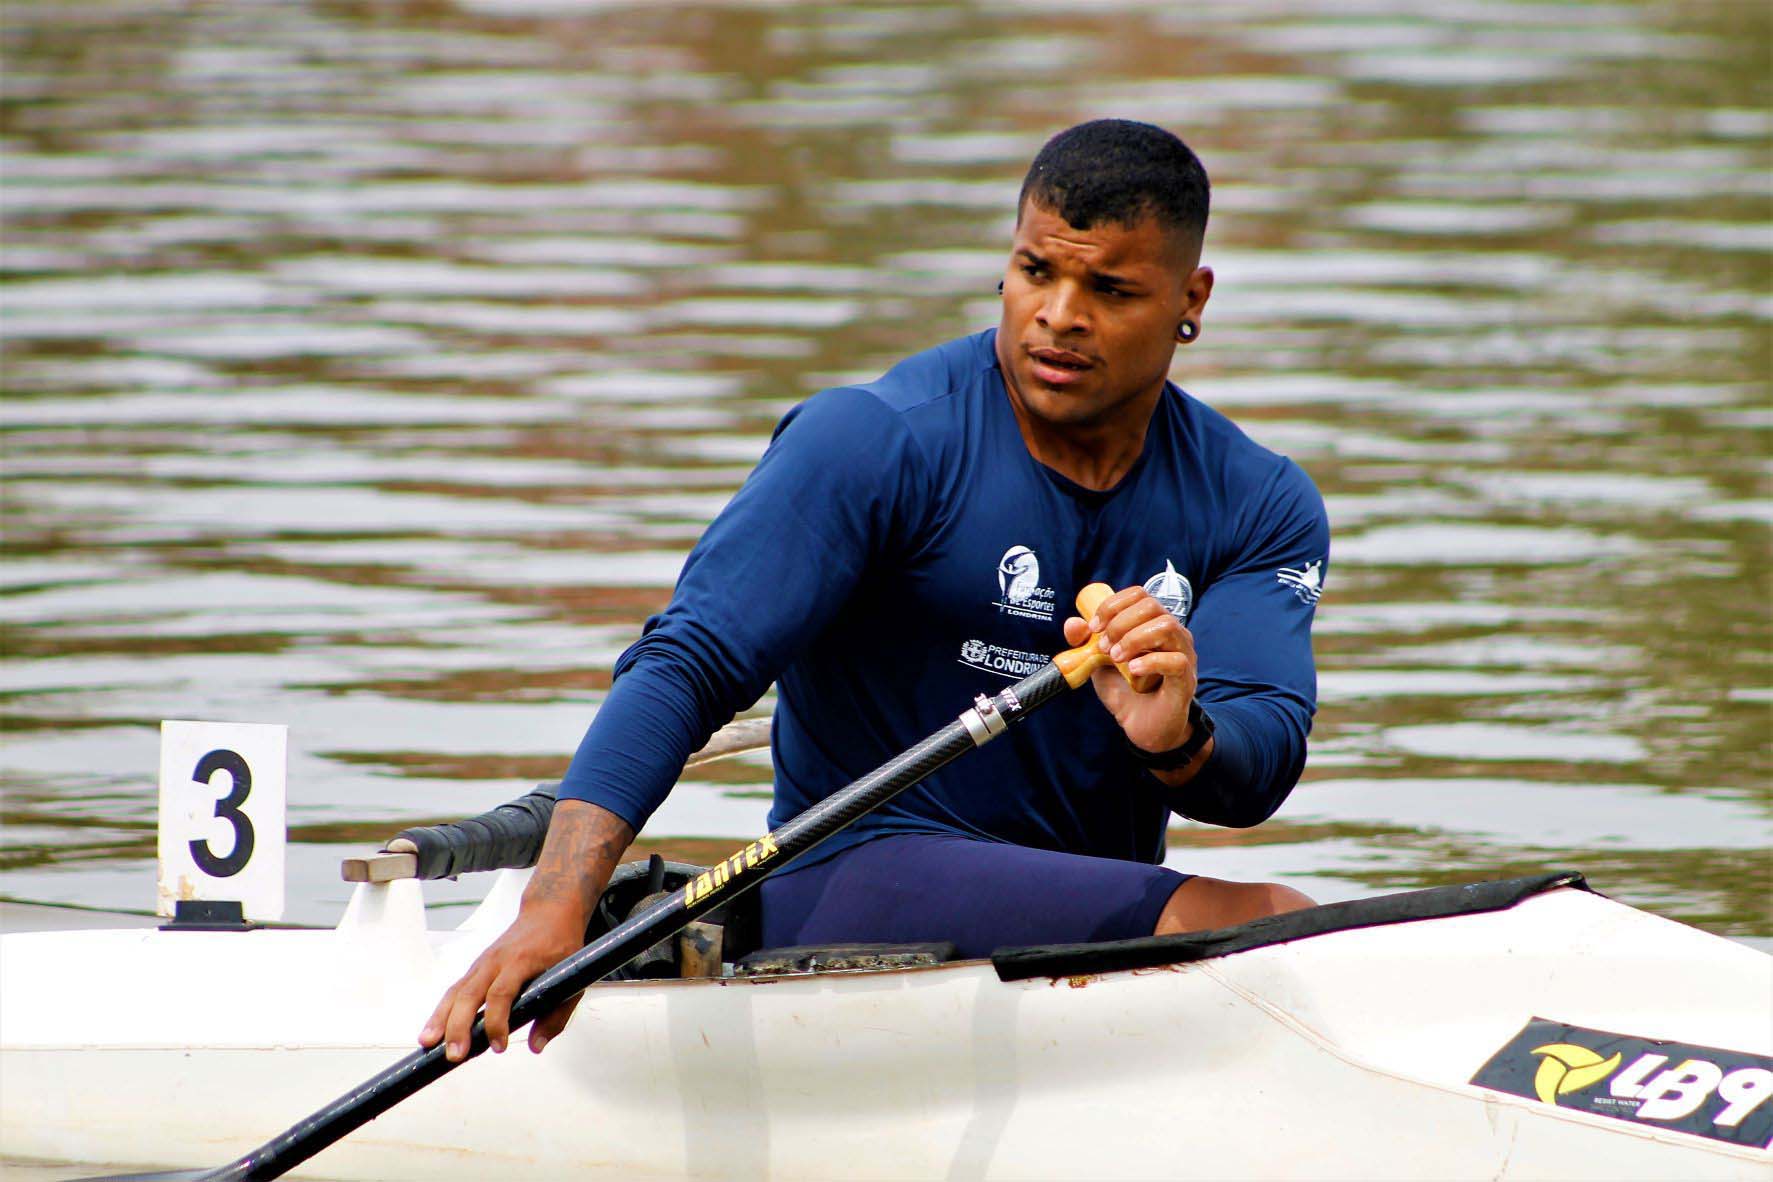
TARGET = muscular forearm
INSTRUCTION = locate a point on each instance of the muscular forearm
(585, 842)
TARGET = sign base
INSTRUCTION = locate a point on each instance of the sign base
(208, 915)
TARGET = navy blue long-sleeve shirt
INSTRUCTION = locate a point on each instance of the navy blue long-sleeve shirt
(897, 551)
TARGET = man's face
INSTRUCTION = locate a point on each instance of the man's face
(1090, 316)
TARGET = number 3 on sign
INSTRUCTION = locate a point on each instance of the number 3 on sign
(221, 815)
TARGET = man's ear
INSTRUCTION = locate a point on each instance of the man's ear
(1199, 287)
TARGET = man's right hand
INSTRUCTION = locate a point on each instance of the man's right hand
(535, 941)
(584, 844)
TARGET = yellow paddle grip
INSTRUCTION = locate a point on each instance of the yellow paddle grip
(1078, 663)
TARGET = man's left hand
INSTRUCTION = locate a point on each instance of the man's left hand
(1135, 630)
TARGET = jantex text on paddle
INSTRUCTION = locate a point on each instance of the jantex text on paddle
(755, 854)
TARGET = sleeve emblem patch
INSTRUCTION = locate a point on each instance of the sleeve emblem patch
(1307, 582)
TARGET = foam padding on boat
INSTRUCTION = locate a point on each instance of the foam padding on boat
(508, 837)
(1064, 960)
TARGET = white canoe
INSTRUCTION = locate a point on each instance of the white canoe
(1348, 1054)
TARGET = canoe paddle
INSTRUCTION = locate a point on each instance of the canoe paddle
(986, 719)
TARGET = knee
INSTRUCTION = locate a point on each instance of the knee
(1259, 900)
(1201, 904)
(1275, 899)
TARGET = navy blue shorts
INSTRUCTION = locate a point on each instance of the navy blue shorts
(982, 895)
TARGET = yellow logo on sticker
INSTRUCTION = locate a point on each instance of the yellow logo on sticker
(1569, 1068)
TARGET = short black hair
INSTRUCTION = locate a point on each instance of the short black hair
(1120, 171)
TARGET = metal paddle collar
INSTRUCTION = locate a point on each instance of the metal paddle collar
(984, 722)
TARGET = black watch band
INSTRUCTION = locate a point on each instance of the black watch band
(1169, 761)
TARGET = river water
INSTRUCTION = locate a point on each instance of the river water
(370, 368)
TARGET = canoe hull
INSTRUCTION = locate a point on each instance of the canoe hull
(1343, 1056)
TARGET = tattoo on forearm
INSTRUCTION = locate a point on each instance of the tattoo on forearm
(584, 844)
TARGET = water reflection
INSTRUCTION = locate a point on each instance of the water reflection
(372, 372)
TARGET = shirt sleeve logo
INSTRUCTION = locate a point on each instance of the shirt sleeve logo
(1172, 590)
(1307, 582)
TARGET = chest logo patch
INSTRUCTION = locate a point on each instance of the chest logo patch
(1172, 590)
(1307, 582)
(1005, 662)
(1018, 584)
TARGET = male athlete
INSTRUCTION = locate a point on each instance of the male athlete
(906, 544)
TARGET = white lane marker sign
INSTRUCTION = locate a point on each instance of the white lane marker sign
(222, 829)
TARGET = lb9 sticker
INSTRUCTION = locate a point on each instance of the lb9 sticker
(1721, 1094)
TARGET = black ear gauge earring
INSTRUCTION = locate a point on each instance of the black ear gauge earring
(1187, 331)
(1000, 287)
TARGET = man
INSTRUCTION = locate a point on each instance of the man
(905, 544)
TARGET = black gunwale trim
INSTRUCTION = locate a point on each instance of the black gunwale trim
(1064, 960)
